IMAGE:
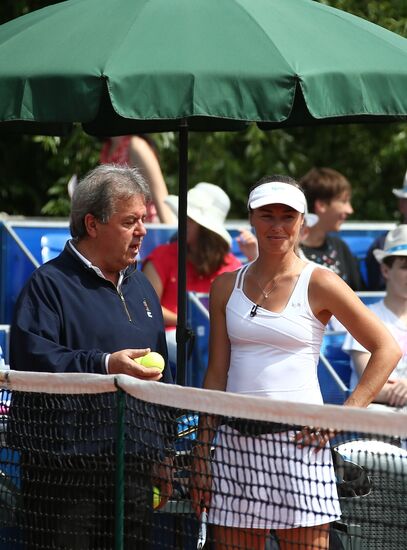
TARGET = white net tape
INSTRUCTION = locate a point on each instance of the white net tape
(391, 423)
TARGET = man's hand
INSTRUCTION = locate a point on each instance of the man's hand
(125, 362)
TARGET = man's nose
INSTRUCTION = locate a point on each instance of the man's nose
(140, 228)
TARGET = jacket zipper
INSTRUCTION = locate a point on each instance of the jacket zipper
(124, 304)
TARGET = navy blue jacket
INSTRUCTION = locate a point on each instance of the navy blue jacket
(66, 319)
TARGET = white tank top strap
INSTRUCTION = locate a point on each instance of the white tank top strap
(240, 277)
(300, 292)
(307, 272)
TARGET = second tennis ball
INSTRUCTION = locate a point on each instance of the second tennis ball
(152, 359)
(156, 497)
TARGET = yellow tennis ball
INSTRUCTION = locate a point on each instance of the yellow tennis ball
(153, 360)
(156, 497)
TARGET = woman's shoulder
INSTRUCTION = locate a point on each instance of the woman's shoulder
(323, 276)
(326, 288)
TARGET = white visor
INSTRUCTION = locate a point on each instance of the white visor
(275, 192)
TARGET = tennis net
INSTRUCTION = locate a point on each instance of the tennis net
(80, 455)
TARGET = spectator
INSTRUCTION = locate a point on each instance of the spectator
(328, 195)
(208, 252)
(141, 151)
(88, 311)
(375, 280)
(392, 310)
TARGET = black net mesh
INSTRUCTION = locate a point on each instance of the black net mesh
(90, 471)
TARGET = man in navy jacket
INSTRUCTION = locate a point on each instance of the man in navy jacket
(90, 311)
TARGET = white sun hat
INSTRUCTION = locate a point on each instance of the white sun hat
(275, 192)
(402, 192)
(208, 205)
(394, 245)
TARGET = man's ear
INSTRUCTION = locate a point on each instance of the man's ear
(91, 225)
(320, 206)
(384, 268)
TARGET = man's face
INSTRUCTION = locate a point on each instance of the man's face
(120, 239)
(332, 214)
(396, 277)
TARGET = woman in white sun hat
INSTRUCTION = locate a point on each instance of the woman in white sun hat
(267, 321)
(208, 252)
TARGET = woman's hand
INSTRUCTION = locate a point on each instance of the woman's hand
(200, 484)
(316, 438)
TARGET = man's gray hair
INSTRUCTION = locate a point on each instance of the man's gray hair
(99, 192)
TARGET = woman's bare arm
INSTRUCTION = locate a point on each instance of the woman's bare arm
(142, 156)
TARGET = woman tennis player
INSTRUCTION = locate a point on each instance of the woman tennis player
(267, 324)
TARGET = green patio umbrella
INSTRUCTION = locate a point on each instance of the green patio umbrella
(128, 66)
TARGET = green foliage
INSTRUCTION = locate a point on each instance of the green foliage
(76, 154)
(35, 170)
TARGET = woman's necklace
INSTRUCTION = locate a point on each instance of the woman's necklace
(265, 293)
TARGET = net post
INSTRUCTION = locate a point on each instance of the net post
(119, 471)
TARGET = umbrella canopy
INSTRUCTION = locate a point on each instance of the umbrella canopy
(127, 66)
(119, 66)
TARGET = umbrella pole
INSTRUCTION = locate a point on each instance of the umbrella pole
(181, 334)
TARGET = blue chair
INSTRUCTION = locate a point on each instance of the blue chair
(198, 321)
(370, 297)
(334, 369)
(52, 245)
(4, 343)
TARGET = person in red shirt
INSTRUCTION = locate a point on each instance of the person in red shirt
(208, 253)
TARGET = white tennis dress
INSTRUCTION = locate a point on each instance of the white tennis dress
(267, 482)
